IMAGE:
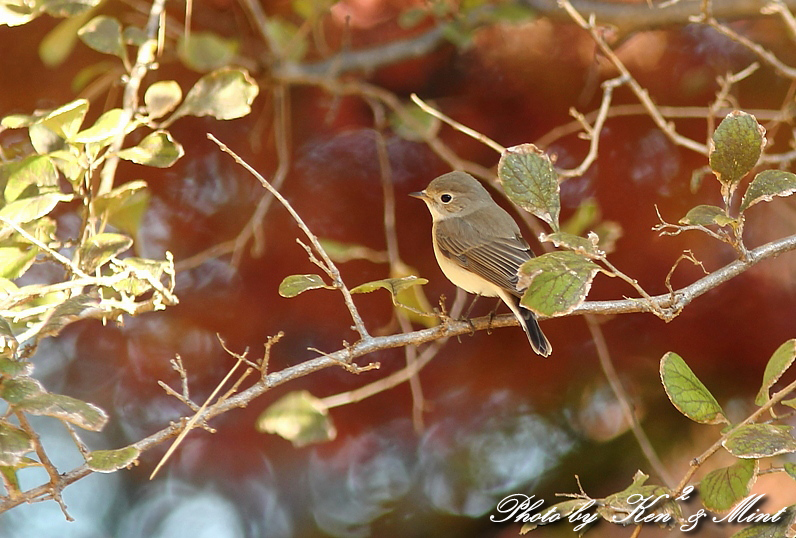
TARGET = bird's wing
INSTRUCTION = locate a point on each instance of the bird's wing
(496, 259)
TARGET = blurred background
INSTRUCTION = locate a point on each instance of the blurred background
(496, 419)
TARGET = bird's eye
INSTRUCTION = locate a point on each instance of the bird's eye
(446, 198)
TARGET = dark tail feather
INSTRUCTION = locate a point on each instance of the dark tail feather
(536, 337)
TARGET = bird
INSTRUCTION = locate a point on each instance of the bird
(479, 246)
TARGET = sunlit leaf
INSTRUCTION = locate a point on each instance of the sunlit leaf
(102, 247)
(766, 185)
(14, 368)
(528, 177)
(723, 488)
(103, 34)
(29, 209)
(298, 417)
(760, 441)
(72, 410)
(162, 97)
(58, 44)
(69, 8)
(14, 444)
(790, 468)
(616, 508)
(706, 215)
(340, 252)
(582, 245)
(205, 51)
(124, 206)
(687, 393)
(19, 389)
(138, 283)
(107, 461)
(105, 129)
(735, 148)
(295, 284)
(15, 261)
(65, 121)
(18, 12)
(67, 312)
(779, 362)
(8, 349)
(393, 285)
(34, 172)
(157, 149)
(224, 94)
(556, 283)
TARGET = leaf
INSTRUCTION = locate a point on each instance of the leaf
(19, 389)
(107, 461)
(393, 285)
(790, 468)
(205, 51)
(65, 121)
(105, 129)
(8, 343)
(723, 488)
(760, 441)
(162, 97)
(69, 8)
(285, 40)
(137, 284)
(687, 393)
(779, 362)
(72, 410)
(582, 245)
(528, 177)
(706, 215)
(766, 185)
(157, 149)
(103, 34)
(224, 94)
(771, 529)
(14, 368)
(413, 123)
(56, 46)
(100, 248)
(735, 148)
(33, 208)
(556, 283)
(340, 252)
(15, 261)
(298, 417)
(295, 284)
(124, 206)
(36, 171)
(68, 312)
(14, 444)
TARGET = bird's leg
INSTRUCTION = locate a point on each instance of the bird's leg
(467, 315)
(492, 316)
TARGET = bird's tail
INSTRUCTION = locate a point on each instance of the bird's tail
(539, 342)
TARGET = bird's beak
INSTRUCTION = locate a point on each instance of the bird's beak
(420, 194)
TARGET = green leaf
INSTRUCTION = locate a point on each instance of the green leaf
(771, 529)
(34, 172)
(72, 410)
(705, 215)
(14, 444)
(790, 468)
(137, 284)
(582, 245)
(556, 283)
(295, 284)
(18, 389)
(8, 344)
(162, 97)
(779, 362)
(10, 367)
(723, 488)
(68, 312)
(411, 17)
(298, 417)
(766, 185)
(124, 206)
(56, 46)
(107, 461)
(393, 285)
(735, 148)
(760, 441)
(65, 121)
(224, 94)
(157, 149)
(105, 129)
(687, 393)
(414, 124)
(340, 252)
(103, 34)
(69, 8)
(205, 51)
(286, 41)
(307, 9)
(15, 261)
(528, 177)
(30, 209)
(100, 248)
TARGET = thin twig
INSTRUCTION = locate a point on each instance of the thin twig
(331, 268)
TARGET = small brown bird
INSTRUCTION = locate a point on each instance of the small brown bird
(479, 246)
